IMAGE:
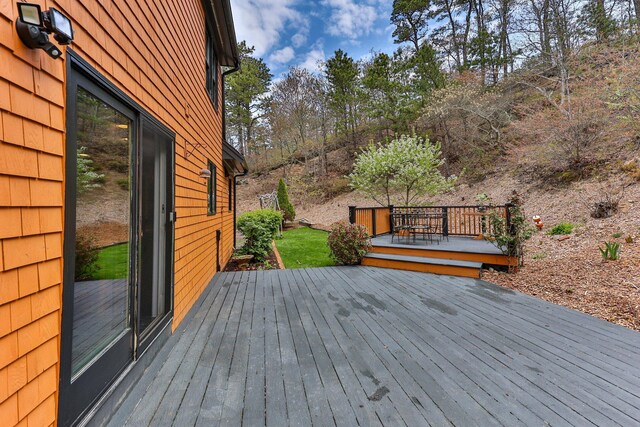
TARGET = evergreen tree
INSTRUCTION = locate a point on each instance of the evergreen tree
(245, 98)
(286, 207)
(341, 72)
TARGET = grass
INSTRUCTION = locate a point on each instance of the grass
(304, 247)
(113, 262)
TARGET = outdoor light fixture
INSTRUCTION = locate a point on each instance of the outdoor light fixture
(34, 27)
(205, 174)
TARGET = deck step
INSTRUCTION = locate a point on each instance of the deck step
(441, 252)
(427, 265)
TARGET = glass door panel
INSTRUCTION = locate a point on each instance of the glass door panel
(154, 291)
(103, 213)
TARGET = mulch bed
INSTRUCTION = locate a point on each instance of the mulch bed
(580, 279)
(252, 266)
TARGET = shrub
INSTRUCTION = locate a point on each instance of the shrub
(86, 258)
(286, 207)
(348, 243)
(510, 238)
(259, 227)
(561, 229)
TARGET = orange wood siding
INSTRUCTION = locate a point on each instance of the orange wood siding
(31, 215)
(154, 52)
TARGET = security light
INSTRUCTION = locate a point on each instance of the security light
(30, 14)
(33, 27)
(59, 25)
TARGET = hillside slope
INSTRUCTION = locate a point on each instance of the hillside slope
(560, 164)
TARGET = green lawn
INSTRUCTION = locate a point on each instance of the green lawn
(113, 262)
(304, 247)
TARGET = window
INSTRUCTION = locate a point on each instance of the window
(212, 70)
(230, 194)
(211, 189)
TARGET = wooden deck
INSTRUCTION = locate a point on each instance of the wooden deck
(455, 255)
(368, 346)
(451, 244)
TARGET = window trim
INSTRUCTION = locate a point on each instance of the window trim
(212, 77)
(230, 184)
(212, 191)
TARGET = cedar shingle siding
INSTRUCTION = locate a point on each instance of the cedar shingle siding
(154, 52)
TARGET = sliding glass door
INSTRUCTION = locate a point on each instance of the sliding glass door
(118, 240)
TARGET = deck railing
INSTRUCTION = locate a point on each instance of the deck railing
(377, 220)
(456, 220)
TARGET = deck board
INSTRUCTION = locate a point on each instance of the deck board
(369, 346)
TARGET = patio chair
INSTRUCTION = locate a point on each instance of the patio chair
(401, 226)
(425, 225)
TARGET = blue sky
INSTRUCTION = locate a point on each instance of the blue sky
(303, 32)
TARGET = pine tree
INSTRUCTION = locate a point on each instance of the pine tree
(286, 207)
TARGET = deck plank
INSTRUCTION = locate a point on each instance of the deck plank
(368, 346)
(571, 383)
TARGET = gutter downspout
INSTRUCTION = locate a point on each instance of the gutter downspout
(224, 137)
(235, 68)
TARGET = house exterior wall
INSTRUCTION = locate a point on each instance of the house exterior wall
(154, 52)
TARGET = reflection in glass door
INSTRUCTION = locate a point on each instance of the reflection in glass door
(103, 206)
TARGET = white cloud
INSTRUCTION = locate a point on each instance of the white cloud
(282, 56)
(314, 58)
(261, 22)
(351, 19)
(299, 39)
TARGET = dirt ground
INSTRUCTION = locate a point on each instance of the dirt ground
(569, 272)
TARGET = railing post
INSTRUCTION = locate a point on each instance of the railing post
(391, 219)
(373, 222)
(352, 214)
(445, 222)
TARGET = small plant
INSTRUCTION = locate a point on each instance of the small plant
(540, 255)
(86, 258)
(123, 183)
(629, 239)
(616, 235)
(561, 229)
(611, 251)
(286, 207)
(259, 227)
(348, 243)
(266, 265)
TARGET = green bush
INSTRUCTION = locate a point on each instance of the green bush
(561, 229)
(86, 258)
(348, 243)
(259, 227)
(283, 200)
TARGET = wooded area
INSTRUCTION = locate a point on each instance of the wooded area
(482, 77)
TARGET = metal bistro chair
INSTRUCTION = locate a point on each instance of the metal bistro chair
(400, 226)
(426, 225)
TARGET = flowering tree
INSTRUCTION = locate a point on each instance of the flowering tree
(402, 171)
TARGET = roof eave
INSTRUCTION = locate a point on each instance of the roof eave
(219, 14)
